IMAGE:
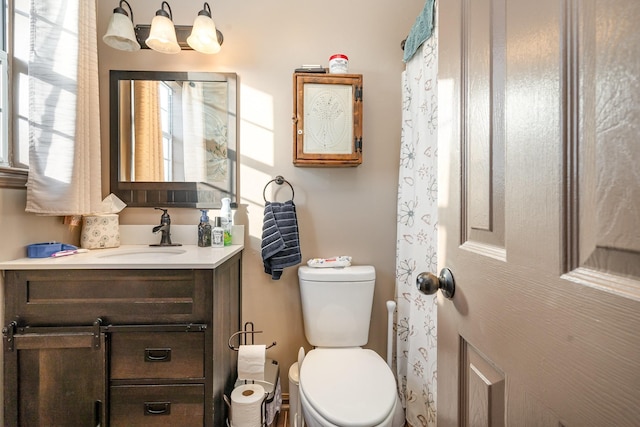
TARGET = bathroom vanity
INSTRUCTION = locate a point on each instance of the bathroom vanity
(131, 336)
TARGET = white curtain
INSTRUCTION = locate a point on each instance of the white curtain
(194, 129)
(416, 320)
(64, 122)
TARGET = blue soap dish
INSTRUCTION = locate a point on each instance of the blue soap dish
(45, 250)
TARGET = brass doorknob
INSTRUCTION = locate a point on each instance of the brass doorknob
(429, 283)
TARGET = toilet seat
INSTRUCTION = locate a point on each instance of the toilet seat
(349, 387)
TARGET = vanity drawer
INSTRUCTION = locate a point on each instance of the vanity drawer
(70, 297)
(166, 405)
(166, 355)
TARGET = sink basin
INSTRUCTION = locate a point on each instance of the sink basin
(143, 253)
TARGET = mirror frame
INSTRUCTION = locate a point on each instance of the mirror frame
(198, 195)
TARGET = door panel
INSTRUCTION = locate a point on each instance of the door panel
(484, 400)
(483, 130)
(542, 329)
(606, 177)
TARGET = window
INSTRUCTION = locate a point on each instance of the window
(4, 101)
(14, 16)
(167, 113)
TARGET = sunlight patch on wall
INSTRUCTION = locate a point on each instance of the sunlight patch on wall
(257, 147)
(253, 183)
(256, 125)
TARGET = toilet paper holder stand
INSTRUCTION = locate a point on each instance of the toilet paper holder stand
(248, 329)
(272, 371)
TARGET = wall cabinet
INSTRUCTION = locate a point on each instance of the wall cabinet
(120, 347)
(327, 119)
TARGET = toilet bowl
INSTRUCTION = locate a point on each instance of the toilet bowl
(348, 387)
(341, 384)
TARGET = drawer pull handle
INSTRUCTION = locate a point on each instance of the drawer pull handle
(97, 413)
(157, 354)
(157, 408)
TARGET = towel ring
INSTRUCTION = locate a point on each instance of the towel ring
(278, 180)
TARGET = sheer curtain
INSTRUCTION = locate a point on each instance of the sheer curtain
(64, 122)
(148, 153)
(417, 239)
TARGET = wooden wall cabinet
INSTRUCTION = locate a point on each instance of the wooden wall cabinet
(327, 119)
(120, 347)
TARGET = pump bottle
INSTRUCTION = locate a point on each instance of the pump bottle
(217, 234)
(204, 230)
(227, 220)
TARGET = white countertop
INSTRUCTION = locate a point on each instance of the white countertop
(131, 257)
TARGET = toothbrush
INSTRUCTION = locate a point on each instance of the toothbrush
(68, 252)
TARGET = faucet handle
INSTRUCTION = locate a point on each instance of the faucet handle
(165, 218)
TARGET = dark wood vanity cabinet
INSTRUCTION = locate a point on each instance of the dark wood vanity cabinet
(120, 347)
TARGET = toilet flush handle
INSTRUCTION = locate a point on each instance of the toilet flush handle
(429, 283)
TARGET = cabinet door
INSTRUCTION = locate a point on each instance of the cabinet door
(55, 379)
(327, 120)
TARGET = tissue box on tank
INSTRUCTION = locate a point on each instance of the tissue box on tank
(100, 231)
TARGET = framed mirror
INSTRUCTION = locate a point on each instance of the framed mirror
(173, 138)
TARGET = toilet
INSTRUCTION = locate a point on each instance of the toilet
(340, 383)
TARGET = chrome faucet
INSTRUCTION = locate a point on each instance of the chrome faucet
(165, 229)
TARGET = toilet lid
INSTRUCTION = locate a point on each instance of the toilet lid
(349, 387)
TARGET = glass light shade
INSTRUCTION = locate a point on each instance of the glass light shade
(162, 37)
(120, 34)
(204, 37)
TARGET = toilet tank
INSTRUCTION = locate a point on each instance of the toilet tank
(336, 304)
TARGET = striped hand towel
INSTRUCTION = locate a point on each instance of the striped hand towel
(280, 241)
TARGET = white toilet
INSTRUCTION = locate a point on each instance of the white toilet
(340, 383)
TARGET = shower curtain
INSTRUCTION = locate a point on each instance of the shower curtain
(417, 240)
(204, 107)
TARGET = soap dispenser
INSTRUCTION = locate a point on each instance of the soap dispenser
(204, 230)
(227, 220)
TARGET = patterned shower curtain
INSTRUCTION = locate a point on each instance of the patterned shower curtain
(416, 251)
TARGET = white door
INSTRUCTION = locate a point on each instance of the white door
(539, 164)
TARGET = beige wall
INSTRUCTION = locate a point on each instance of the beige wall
(340, 211)
(18, 229)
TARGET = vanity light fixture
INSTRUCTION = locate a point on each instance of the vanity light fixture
(204, 36)
(162, 35)
(120, 33)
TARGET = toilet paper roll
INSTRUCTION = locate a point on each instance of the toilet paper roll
(246, 405)
(251, 360)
